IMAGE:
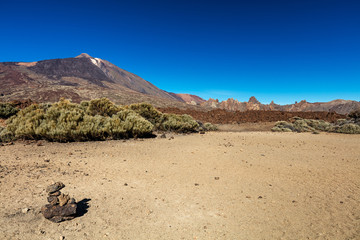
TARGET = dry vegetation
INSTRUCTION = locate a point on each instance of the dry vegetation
(296, 124)
(98, 119)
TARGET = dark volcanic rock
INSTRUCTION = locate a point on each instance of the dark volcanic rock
(61, 206)
(55, 187)
(53, 200)
(57, 193)
(71, 67)
(59, 213)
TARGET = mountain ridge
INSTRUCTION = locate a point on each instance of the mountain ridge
(84, 77)
(338, 105)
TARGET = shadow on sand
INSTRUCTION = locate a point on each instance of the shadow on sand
(82, 207)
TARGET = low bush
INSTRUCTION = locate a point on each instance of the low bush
(147, 111)
(163, 121)
(282, 126)
(320, 125)
(279, 129)
(177, 123)
(341, 121)
(97, 119)
(5, 135)
(65, 121)
(310, 125)
(102, 106)
(7, 110)
(209, 127)
(349, 128)
(301, 125)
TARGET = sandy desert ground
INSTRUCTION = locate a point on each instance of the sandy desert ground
(221, 185)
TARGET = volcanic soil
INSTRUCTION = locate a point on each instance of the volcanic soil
(220, 185)
(221, 116)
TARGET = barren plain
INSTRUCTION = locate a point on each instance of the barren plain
(220, 185)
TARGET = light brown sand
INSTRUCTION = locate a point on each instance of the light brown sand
(269, 186)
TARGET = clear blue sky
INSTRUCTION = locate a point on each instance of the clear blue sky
(281, 50)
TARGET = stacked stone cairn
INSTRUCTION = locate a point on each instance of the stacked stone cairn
(61, 207)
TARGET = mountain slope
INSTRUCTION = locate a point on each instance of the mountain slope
(79, 78)
(127, 79)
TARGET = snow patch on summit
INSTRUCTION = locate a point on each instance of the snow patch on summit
(96, 61)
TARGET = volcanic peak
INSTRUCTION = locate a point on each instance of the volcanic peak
(84, 55)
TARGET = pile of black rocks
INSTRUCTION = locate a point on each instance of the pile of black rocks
(61, 207)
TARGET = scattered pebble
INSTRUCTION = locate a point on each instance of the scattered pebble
(25, 210)
(217, 178)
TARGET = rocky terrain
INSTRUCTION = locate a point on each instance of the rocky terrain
(221, 116)
(339, 106)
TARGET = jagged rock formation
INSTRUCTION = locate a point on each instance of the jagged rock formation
(338, 106)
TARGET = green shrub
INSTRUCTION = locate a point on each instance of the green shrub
(65, 121)
(209, 127)
(102, 106)
(349, 128)
(280, 129)
(84, 104)
(301, 125)
(134, 124)
(320, 125)
(177, 123)
(282, 126)
(5, 135)
(98, 119)
(341, 121)
(148, 112)
(310, 125)
(7, 110)
(165, 122)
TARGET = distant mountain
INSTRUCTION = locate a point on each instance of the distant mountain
(190, 99)
(85, 77)
(340, 106)
(79, 78)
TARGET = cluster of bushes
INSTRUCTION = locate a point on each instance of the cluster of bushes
(348, 126)
(7, 110)
(97, 119)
